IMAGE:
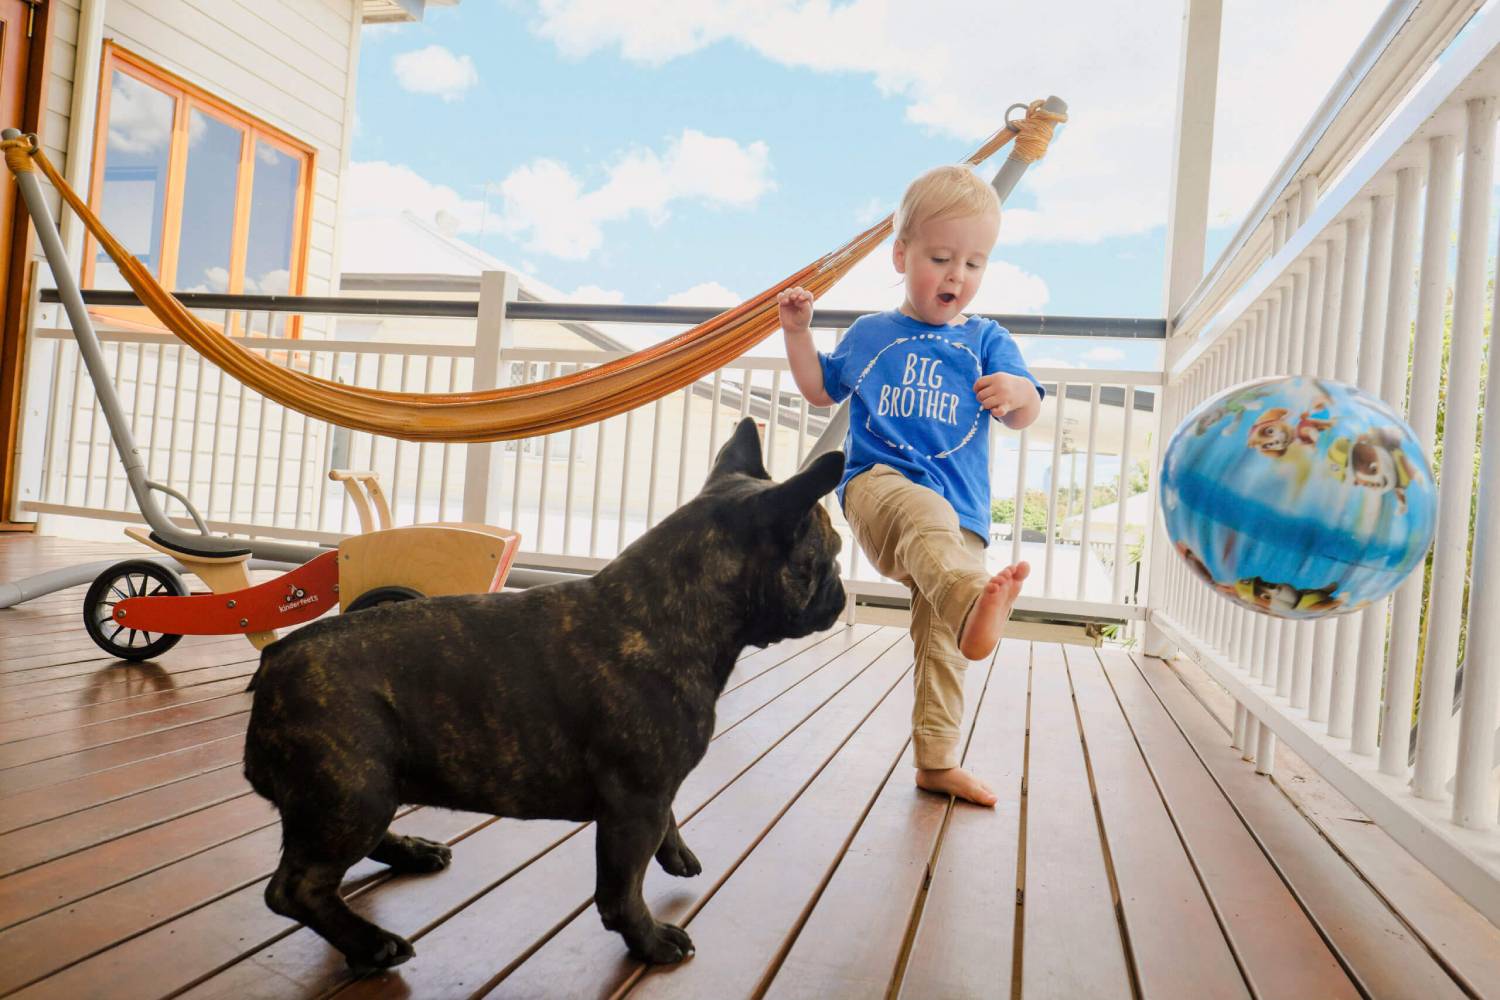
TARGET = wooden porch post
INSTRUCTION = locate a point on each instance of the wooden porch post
(24, 69)
(1187, 231)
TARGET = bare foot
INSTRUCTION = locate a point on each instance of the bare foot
(987, 618)
(958, 782)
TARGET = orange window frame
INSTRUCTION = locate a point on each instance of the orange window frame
(188, 97)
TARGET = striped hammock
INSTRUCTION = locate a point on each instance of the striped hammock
(556, 404)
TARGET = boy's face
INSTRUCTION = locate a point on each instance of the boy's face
(943, 263)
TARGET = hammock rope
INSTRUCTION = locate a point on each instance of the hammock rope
(556, 404)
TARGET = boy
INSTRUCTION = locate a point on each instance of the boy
(916, 486)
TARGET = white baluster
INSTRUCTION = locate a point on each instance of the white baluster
(1434, 764)
(1432, 287)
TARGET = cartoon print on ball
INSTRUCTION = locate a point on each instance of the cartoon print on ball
(1376, 461)
(1273, 434)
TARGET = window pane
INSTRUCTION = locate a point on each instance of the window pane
(213, 170)
(135, 173)
(273, 209)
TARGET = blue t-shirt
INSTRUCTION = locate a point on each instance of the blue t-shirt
(914, 407)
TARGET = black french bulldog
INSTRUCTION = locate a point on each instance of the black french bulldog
(585, 700)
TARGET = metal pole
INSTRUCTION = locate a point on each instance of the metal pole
(109, 400)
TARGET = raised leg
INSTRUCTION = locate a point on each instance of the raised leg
(674, 856)
(625, 840)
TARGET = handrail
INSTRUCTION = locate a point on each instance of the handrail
(1415, 116)
(1028, 325)
(1406, 39)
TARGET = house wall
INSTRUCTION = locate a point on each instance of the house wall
(292, 63)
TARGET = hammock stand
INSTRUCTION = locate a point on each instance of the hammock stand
(498, 414)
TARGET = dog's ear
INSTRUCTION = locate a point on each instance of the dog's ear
(741, 453)
(790, 501)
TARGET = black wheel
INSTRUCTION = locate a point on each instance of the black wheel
(136, 578)
(376, 596)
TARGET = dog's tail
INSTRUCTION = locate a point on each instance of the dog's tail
(255, 678)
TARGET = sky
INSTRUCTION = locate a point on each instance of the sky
(662, 152)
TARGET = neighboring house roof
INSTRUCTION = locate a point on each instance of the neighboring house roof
(380, 251)
(396, 11)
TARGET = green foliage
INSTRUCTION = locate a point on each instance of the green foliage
(1033, 513)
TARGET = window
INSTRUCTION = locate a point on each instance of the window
(207, 197)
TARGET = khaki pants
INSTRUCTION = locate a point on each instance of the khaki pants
(911, 534)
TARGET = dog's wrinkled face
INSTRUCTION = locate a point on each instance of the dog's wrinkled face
(784, 537)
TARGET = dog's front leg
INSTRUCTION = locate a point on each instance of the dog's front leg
(674, 856)
(625, 839)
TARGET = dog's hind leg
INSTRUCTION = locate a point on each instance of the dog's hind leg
(316, 851)
(411, 854)
(674, 856)
(626, 837)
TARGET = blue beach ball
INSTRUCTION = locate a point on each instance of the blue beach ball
(1298, 497)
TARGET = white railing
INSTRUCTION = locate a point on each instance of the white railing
(578, 497)
(1357, 287)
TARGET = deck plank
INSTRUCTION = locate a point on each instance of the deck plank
(1176, 942)
(151, 955)
(1067, 897)
(965, 940)
(75, 697)
(97, 668)
(56, 770)
(85, 718)
(43, 842)
(35, 891)
(52, 801)
(1279, 949)
(1388, 959)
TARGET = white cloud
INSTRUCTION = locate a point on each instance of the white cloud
(546, 207)
(1105, 354)
(435, 70)
(1050, 363)
(1107, 173)
(140, 117)
(708, 293)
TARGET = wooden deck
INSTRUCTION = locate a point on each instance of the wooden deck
(1132, 852)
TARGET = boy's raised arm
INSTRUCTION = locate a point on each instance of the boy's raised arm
(795, 306)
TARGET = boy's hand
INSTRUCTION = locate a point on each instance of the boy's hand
(1002, 393)
(796, 307)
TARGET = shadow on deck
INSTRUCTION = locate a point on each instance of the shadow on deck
(1132, 852)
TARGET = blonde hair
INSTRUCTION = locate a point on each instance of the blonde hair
(951, 191)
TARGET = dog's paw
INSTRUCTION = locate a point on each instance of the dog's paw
(384, 951)
(664, 945)
(679, 860)
(415, 855)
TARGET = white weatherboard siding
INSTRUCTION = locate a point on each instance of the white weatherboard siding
(290, 63)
